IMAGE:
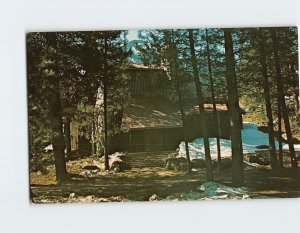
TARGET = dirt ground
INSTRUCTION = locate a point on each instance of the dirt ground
(148, 176)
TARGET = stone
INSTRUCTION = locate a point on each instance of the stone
(90, 197)
(90, 173)
(176, 164)
(117, 169)
(154, 197)
(72, 195)
(212, 190)
(119, 166)
(259, 158)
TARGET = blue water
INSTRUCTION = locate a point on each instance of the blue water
(251, 138)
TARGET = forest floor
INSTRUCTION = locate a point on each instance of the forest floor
(148, 177)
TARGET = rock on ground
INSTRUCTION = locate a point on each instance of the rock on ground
(154, 197)
(176, 164)
(211, 191)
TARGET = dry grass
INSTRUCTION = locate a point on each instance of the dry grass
(139, 183)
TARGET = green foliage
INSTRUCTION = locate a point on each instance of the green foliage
(79, 64)
(81, 61)
(154, 51)
(249, 71)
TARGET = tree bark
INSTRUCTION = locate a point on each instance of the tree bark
(209, 169)
(264, 71)
(212, 90)
(93, 151)
(68, 137)
(282, 100)
(280, 153)
(105, 114)
(234, 112)
(183, 119)
(175, 69)
(55, 115)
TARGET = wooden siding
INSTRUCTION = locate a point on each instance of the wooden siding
(167, 138)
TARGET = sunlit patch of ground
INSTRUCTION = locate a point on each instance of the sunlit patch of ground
(38, 178)
(149, 177)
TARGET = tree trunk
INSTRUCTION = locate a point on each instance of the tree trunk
(175, 69)
(234, 112)
(105, 115)
(282, 101)
(264, 71)
(280, 154)
(209, 169)
(183, 118)
(93, 151)
(212, 90)
(296, 99)
(68, 137)
(55, 115)
(58, 143)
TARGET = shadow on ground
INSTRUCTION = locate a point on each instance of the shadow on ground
(148, 177)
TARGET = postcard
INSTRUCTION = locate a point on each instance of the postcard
(163, 115)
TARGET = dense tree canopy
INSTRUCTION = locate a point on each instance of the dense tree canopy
(66, 70)
(83, 76)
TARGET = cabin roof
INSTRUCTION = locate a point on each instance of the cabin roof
(157, 112)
